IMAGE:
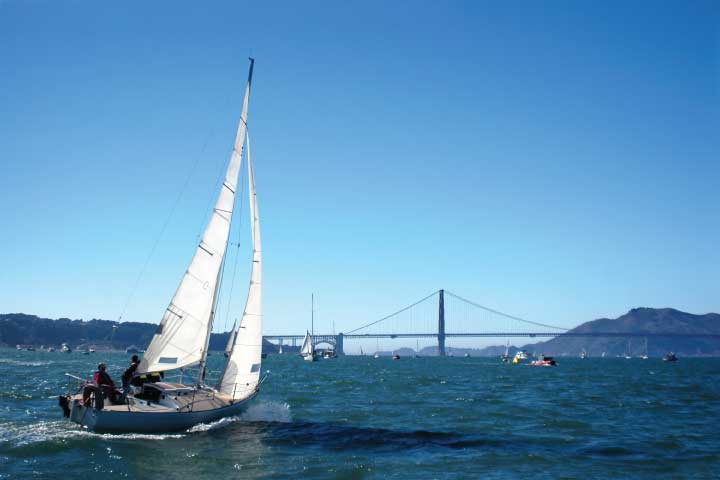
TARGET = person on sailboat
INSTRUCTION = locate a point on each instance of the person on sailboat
(102, 386)
(129, 372)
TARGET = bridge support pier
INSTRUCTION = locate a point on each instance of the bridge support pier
(339, 344)
(441, 323)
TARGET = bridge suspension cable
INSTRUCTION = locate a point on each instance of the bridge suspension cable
(393, 314)
(512, 317)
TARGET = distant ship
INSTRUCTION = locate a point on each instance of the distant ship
(543, 361)
(520, 355)
(670, 357)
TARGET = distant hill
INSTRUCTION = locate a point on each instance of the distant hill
(19, 328)
(640, 320)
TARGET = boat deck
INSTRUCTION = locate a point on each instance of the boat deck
(174, 398)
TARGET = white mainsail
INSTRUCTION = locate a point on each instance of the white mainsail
(307, 346)
(184, 331)
(242, 370)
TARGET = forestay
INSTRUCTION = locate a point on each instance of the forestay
(242, 370)
(182, 336)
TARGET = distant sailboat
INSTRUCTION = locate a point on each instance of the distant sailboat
(506, 356)
(308, 347)
(182, 338)
(307, 351)
(645, 355)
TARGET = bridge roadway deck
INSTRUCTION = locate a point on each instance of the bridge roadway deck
(497, 334)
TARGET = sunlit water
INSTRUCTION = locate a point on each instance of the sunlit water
(359, 417)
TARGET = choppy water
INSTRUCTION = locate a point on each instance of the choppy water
(359, 417)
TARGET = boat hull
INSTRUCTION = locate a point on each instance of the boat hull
(117, 421)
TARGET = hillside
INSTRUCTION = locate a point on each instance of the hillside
(19, 328)
(640, 320)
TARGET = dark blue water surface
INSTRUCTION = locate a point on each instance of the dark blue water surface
(359, 417)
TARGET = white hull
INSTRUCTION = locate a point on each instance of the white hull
(115, 420)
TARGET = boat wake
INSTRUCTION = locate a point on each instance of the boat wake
(17, 434)
(265, 412)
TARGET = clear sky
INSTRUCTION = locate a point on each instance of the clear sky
(554, 160)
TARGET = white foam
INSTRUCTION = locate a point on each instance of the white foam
(268, 412)
(18, 434)
(204, 427)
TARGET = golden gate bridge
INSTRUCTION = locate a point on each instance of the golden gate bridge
(443, 315)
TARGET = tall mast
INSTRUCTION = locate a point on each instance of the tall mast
(312, 316)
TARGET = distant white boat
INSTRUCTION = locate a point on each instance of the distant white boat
(520, 356)
(307, 351)
(583, 354)
(64, 348)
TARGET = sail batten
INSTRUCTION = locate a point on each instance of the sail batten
(182, 336)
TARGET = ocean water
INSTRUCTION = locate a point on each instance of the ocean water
(360, 417)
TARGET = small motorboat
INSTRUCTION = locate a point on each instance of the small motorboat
(328, 354)
(520, 356)
(583, 354)
(377, 355)
(65, 348)
(467, 355)
(395, 356)
(670, 357)
(543, 361)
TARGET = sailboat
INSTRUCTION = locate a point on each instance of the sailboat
(307, 351)
(506, 356)
(153, 403)
(645, 355)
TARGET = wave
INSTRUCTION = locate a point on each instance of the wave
(20, 363)
(263, 412)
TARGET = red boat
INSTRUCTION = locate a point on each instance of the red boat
(543, 361)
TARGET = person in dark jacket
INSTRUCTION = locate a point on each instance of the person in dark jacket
(130, 371)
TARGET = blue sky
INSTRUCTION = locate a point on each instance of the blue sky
(554, 160)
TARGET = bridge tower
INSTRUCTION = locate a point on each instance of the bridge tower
(339, 344)
(441, 323)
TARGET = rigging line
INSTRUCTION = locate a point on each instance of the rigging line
(392, 314)
(504, 314)
(165, 225)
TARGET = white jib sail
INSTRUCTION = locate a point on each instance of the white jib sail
(242, 371)
(182, 336)
(307, 346)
